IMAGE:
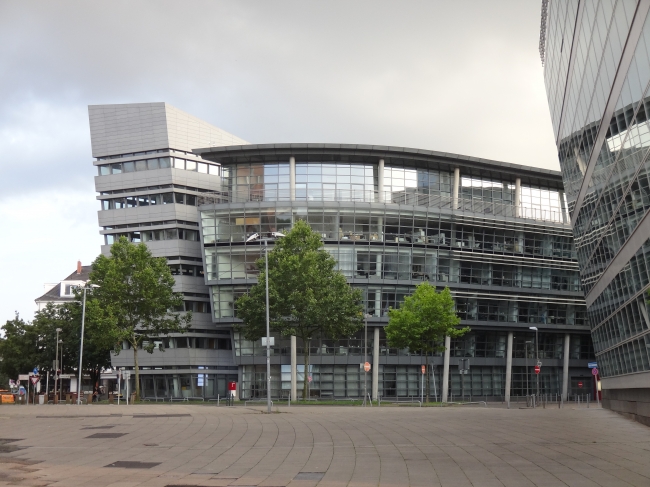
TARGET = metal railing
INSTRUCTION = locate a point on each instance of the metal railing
(410, 198)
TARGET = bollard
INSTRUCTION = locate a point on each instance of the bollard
(588, 399)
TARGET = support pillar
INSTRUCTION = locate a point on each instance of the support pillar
(518, 197)
(445, 371)
(563, 209)
(508, 367)
(456, 188)
(380, 181)
(292, 178)
(565, 370)
(375, 365)
(294, 369)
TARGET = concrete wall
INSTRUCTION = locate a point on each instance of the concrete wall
(631, 403)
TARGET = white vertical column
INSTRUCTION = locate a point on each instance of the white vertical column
(378, 295)
(456, 188)
(292, 178)
(380, 180)
(445, 371)
(563, 209)
(509, 367)
(565, 370)
(375, 365)
(294, 370)
(518, 197)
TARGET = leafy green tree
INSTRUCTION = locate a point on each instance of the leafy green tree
(19, 348)
(307, 296)
(135, 300)
(422, 322)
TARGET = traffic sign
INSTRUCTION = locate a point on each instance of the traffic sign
(232, 385)
(366, 366)
(35, 378)
(580, 385)
(538, 369)
(594, 371)
(35, 371)
(424, 369)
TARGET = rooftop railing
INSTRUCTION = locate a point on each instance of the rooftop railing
(410, 198)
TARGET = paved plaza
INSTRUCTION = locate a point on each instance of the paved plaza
(205, 445)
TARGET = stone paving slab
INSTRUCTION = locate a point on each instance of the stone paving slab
(210, 446)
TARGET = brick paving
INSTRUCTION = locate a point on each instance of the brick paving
(187, 445)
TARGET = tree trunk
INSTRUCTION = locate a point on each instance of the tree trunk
(137, 373)
(305, 380)
(427, 376)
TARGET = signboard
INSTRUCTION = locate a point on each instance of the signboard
(594, 371)
(424, 369)
(232, 386)
(538, 369)
(580, 385)
(592, 365)
(35, 379)
(271, 341)
(65, 376)
(23, 377)
(366, 366)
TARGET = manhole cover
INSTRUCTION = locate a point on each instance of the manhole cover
(125, 464)
(309, 476)
(106, 435)
(160, 415)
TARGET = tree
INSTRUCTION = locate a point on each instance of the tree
(135, 301)
(27, 345)
(423, 321)
(307, 296)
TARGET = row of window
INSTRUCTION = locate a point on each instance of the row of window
(629, 321)
(153, 224)
(362, 262)
(402, 381)
(627, 358)
(154, 235)
(186, 342)
(377, 300)
(158, 163)
(149, 200)
(408, 227)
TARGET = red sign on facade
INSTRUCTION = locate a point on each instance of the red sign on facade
(538, 369)
(580, 385)
(232, 386)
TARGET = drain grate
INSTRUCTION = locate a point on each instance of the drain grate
(309, 476)
(106, 435)
(127, 464)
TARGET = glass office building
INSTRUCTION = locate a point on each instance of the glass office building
(596, 59)
(497, 234)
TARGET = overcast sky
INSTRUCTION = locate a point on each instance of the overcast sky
(462, 77)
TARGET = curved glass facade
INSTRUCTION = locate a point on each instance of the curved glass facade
(597, 77)
(498, 239)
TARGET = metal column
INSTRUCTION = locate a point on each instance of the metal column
(292, 178)
(375, 364)
(509, 367)
(456, 187)
(294, 370)
(445, 372)
(565, 370)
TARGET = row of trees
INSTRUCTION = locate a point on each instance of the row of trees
(130, 299)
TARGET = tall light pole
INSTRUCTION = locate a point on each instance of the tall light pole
(81, 347)
(56, 368)
(365, 357)
(536, 355)
(256, 236)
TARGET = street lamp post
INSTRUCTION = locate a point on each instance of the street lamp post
(252, 238)
(81, 347)
(56, 368)
(536, 355)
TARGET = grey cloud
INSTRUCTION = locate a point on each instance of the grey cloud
(453, 76)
